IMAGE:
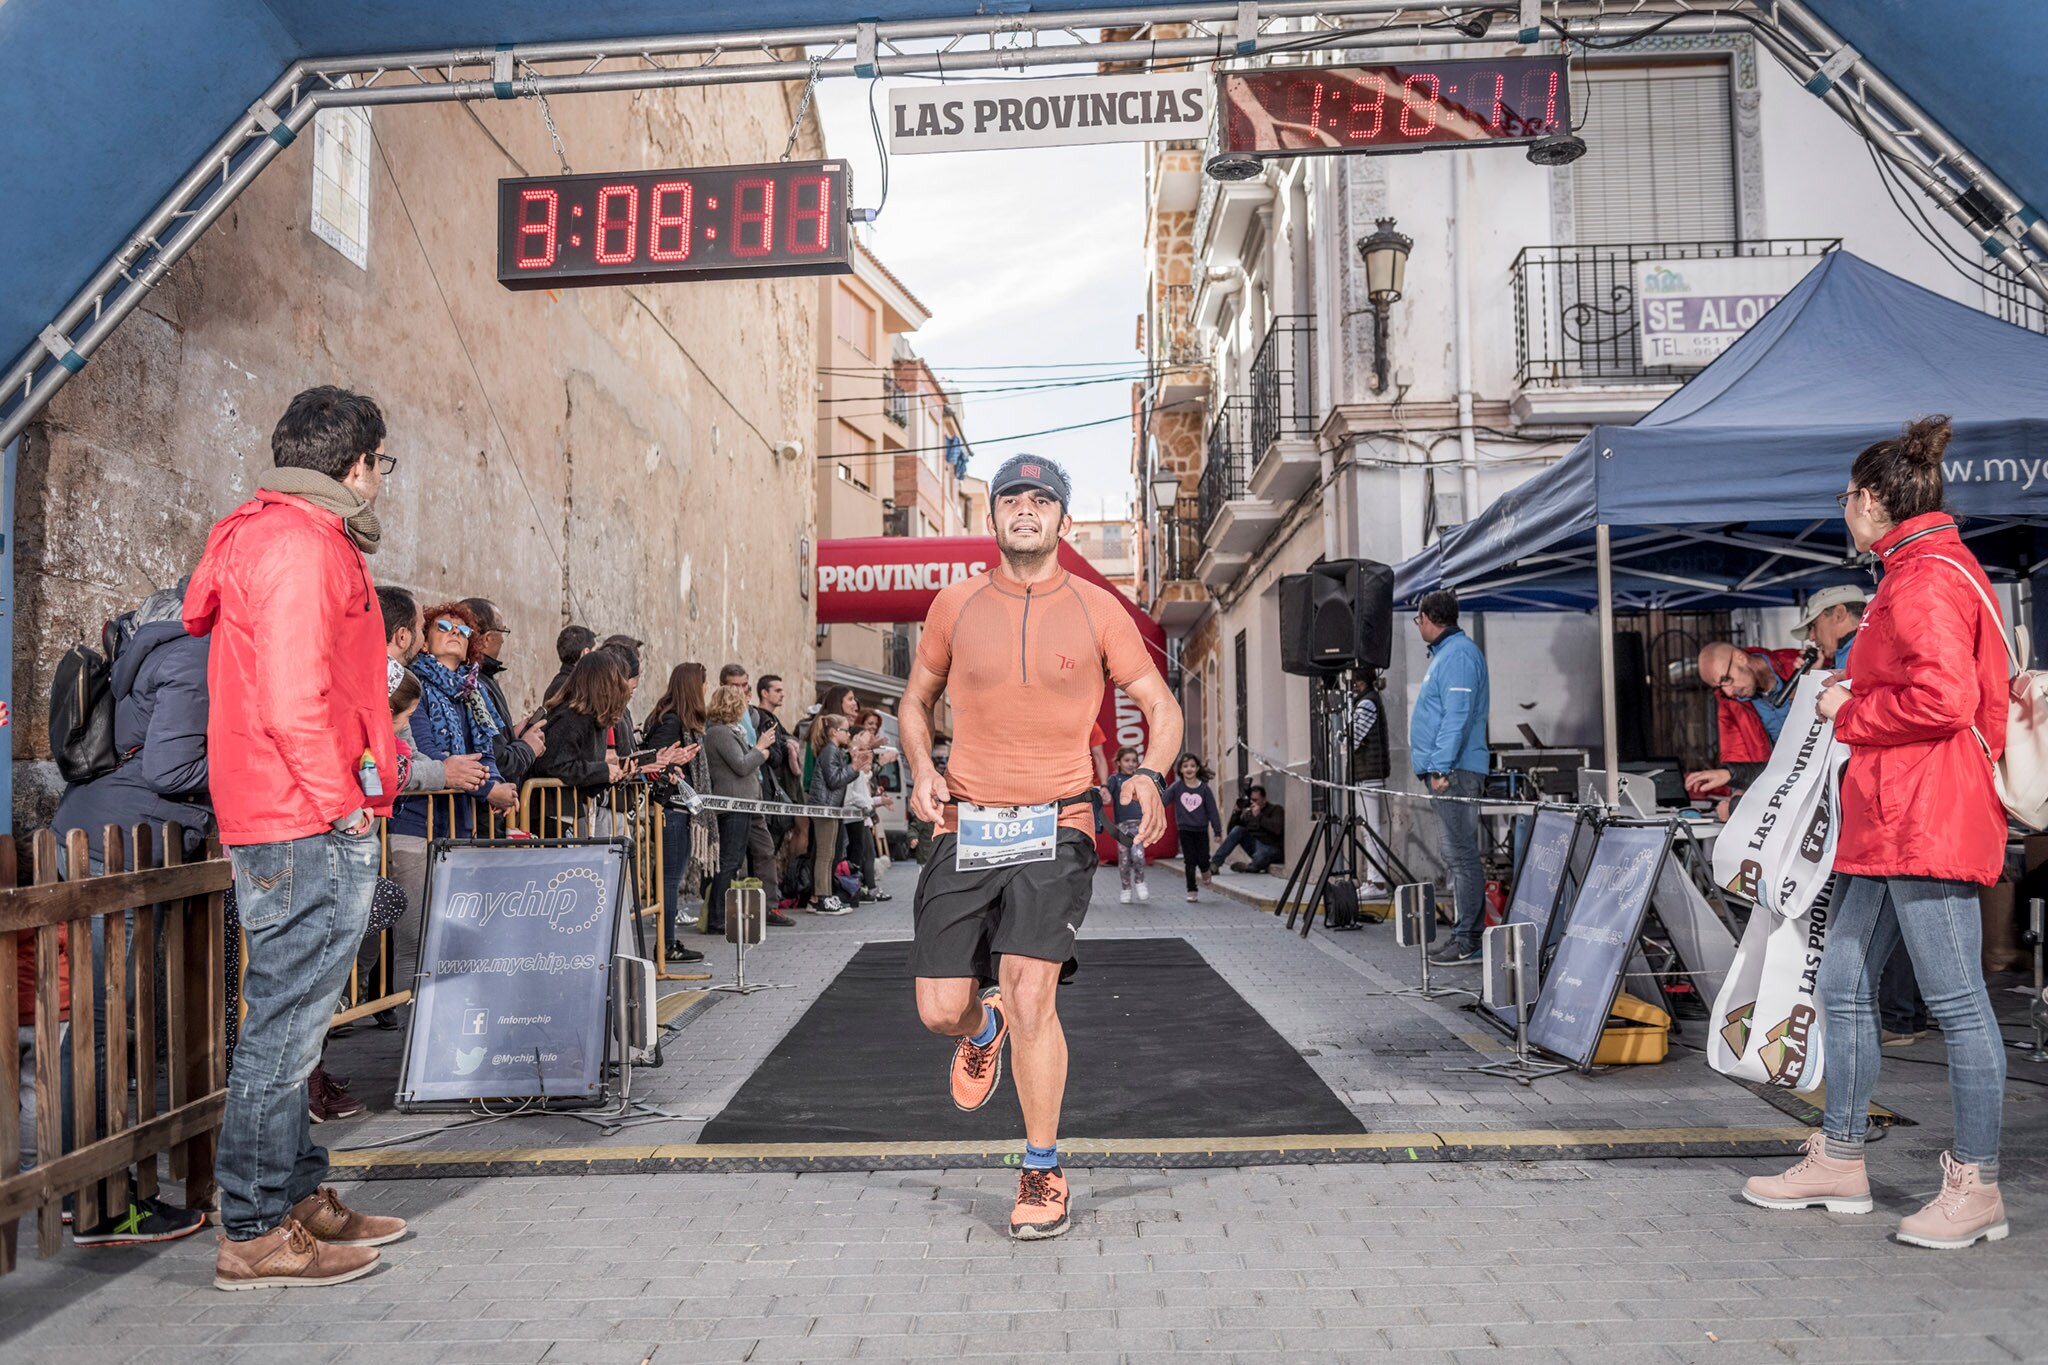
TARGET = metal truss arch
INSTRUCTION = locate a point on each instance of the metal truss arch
(2011, 233)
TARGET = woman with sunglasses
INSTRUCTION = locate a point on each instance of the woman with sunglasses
(1922, 708)
(453, 718)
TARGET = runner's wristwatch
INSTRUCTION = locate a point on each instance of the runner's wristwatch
(1157, 780)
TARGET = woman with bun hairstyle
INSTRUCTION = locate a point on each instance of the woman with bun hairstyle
(1922, 708)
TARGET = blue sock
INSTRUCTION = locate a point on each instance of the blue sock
(1041, 1158)
(990, 1022)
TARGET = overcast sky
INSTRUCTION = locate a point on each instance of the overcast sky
(1024, 258)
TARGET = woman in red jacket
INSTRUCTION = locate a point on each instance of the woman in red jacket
(1923, 713)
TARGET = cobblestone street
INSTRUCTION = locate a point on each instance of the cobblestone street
(1633, 1260)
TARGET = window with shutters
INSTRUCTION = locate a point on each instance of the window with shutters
(1660, 155)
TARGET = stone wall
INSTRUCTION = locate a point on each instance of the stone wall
(601, 455)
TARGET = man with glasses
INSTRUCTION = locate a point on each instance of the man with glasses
(301, 759)
(516, 746)
(1744, 681)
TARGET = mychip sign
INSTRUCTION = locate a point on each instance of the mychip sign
(1688, 312)
(515, 974)
(1054, 113)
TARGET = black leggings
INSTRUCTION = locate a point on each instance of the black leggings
(1194, 852)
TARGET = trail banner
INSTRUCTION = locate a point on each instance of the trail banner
(1054, 113)
(1778, 848)
(515, 974)
(1766, 1024)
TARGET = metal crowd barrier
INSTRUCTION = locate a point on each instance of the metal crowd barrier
(546, 807)
(170, 914)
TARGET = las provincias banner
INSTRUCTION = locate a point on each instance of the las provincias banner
(885, 579)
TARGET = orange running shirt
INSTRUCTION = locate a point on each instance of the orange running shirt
(1024, 668)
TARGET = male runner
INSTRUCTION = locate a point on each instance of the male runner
(1022, 652)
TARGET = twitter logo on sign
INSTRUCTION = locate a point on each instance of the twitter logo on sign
(466, 1063)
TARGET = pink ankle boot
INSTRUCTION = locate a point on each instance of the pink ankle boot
(1966, 1211)
(1817, 1180)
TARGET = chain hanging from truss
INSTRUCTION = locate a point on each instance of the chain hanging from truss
(547, 116)
(803, 107)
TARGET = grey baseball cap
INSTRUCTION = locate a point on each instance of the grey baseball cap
(1841, 595)
(1032, 471)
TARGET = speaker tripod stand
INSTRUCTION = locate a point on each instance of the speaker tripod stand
(1341, 843)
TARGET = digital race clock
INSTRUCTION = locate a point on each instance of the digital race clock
(1397, 106)
(707, 223)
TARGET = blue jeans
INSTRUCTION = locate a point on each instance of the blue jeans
(1259, 852)
(305, 906)
(1461, 853)
(1939, 923)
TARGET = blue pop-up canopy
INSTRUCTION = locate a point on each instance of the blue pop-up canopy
(1725, 493)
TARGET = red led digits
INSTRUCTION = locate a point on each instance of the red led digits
(761, 220)
(629, 225)
(810, 214)
(1409, 104)
(1302, 103)
(680, 195)
(1549, 97)
(540, 234)
(1376, 107)
(1496, 104)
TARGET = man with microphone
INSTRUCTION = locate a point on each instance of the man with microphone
(1830, 621)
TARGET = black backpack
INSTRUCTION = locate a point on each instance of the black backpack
(82, 716)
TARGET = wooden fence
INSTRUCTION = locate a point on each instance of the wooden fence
(165, 1033)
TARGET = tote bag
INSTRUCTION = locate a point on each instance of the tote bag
(1778, 848)
(1767, 1018)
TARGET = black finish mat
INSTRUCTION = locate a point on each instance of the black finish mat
(1159, 1046)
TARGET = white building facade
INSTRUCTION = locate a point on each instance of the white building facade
(1516, 331)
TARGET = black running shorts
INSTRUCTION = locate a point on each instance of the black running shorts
(1029, 909)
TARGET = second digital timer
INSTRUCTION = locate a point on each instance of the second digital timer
(726, 222)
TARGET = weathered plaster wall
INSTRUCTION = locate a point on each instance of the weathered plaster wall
(603, 455)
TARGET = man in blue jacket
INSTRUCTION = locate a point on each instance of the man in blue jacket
(1447, 745)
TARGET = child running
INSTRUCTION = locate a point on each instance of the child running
(1194, 816)
(1130, 853)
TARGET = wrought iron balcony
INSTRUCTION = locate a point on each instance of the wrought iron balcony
(1284, 383)
(1576, 316)
(897, 651)
(1229, 462)
(1179, 546)
(895, 401)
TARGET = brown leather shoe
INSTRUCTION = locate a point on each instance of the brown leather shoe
(336, 1224)
(287, 1257)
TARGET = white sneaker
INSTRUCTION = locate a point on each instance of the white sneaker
(1143, 893)
(1123, 897)
(832, 905)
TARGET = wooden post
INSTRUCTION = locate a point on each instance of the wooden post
(114, 1189)
(85, 1078)
(10, 1058)
(49, 1058)
(145, 1018)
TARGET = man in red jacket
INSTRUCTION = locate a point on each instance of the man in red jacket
(1743, 681)
(302, 758)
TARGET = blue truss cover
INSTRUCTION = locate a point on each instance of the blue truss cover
(106, 104)
(1762, 439)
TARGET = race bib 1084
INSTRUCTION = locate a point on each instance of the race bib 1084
(997, 836)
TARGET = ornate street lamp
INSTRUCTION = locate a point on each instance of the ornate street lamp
(1385, 254)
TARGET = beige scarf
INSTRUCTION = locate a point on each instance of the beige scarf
(332, 495)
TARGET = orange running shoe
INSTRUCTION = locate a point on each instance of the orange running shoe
(1041, 1210)
(976, 1070)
